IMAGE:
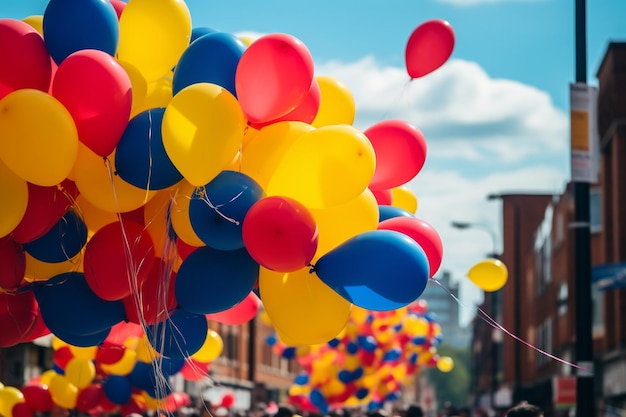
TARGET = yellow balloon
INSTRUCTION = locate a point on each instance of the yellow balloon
(263, 152)
(325, 167)
(63, 392)
(153, 35)
(337, 104)
(489, 274)
(339, 223)
(93, 217)
(9, 396)
(203, 128)
(303, 310)
(445, 364)
(124, 366)
(80, 352)
(96, 180)
(37, 270)
(46, 377)
(145, 352)
(36, 22)
(158, 94)
(179, 214)
(139, 86)
(14, 194)
(211, 349)
(80, 372)
(39, 137)
(404, 198)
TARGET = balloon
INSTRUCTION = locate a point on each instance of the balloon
(36, 21)
(69, 306)
(13, 208)
(17, 315)
(400, 152)
(325, 167)
(62, 242)
(9, 397)
(117, 389)
(218, 209)
(74, 25)
(96, 90)
(429, 46)
(360, 270)
(40, 138)
(212, 58)
(155, 299)
(46, 205)
(211, 348)
(180, 337)
(12, 264)
(240, 313)
(27, 63)
(38, 397)
(80, 372)
(140, 157)
(153, 35)
(303, 310)
(342, 222)
(280, 234)
(89, 398)
(445, 364)
(228, 400)
(337, 104)
(194, 370)
(103, 189)
(179, 215)
(200, 146)
(383, 197)
(404, 198)
(211, 280)
(118, 258)
(423, 233)
(263, 152)
(63, 392)
(489, 274)
(389, 212)
(305, 111)
(273, 77)
(197, 32)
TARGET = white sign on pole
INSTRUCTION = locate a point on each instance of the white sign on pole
(584, 133)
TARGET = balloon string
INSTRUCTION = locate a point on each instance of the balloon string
(489, 320)
(204, 197)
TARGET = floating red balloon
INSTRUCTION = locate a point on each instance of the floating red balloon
(240, 313)
(280, 233)
(38, 397)
(12, 264)
(17, 315)
(429, 47)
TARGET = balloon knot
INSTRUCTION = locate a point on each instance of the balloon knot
(311, 268)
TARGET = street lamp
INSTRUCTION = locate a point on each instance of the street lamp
(468, 225)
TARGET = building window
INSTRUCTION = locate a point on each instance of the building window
(543, 252)
(595, 210)
(561, 301)
(598, 307)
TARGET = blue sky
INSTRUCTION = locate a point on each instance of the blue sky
(495, 116)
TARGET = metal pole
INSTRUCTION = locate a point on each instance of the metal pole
(582, 253)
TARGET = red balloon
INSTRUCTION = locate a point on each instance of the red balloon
(305, 111)
(400, 153)
(89, 398)
(38, 329)
(228, 400)
(383, 197)
(17, 315)
(273, 77)
(177, 400)
(156, 297)
(238, 314)
(119, 6)
(46, 206)
(12, 264)
(421, 232)
(25, 59)
(22, 409)
(280, 233)
(109, 353)
(122, 331)
(118, 258)
(131, 407)
(62, 356)
(96, 90)
(429, 47)
(193, 370)
(38, 397)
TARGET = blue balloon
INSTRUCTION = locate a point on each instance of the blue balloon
(64, 241)
(379, 270)
(200, 31)
(117, 389)
(345, 376)
(212, 58)
(142, 376)
(140, 157)
(289, 352)
(317, 398)
(367, 343)
(271, 340)
(352, 348)
(334, 342)
(83, 340)
(217, 210)
(69, 307)
(301, 379)
(389, 212)
(180, 336)
(362, 393)
(392, 355)
(211, 280)
(74, 25)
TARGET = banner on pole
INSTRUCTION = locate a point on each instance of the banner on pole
(585, 145)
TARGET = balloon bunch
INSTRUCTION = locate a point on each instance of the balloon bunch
(368, 363)
(157, 174)
(123, 374)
